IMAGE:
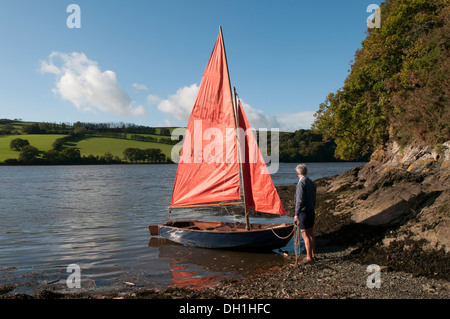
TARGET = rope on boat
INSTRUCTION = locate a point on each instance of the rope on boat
(297, 245)
(297, 242)
(283, 237)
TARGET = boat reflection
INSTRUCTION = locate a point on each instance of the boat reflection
(196, 268)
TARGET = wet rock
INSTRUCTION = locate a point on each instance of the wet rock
(402, 187)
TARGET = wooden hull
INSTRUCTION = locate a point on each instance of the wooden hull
(222, 235)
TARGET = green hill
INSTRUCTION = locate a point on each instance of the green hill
(83, 143)
(92, 147)
(98, 146)
(99, 143)
(42, 142)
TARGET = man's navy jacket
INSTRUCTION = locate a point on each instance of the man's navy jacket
(305, 196)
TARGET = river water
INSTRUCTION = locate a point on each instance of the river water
(96, 217)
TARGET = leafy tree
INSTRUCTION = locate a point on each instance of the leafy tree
(33, 129)
(18, 144)
(28, 154)
(139, 155)
(305, 145)
(52, 156)
(136, 155)
(6, 129)
(128, 154)
(154, 155)
(133, 154)
(71, 155)
(164, 131)
(79, 130)
(58, 144)
(108, 157)
(398, 85)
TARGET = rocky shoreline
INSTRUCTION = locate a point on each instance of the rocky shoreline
(392, 212)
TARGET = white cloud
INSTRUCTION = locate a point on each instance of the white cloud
(80, 81)
(49, 68)
(153, 99)
(290, 122)
(258, 119)
(139, 87)
(285, 122)
(180, 104)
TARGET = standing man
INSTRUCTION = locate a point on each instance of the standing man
(305, 203)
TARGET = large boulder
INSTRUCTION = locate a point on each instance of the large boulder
(402, 187)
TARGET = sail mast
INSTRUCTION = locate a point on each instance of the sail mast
(236, 117)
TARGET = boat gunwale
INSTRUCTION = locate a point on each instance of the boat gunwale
(214, 231)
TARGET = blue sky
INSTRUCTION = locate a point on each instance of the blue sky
(142, 61)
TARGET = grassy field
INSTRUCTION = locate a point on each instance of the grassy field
(100, 145)
(91, 143)
(88, 145)
(43, 142)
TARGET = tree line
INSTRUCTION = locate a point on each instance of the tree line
(299, 146)
(7, 128)
(31, 155)
(305, 146)
(70, 155)
(111, 130)
(149, 155)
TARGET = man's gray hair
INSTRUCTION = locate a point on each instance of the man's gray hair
(301, 169)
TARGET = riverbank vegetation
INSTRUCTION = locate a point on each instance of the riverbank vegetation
(397, 88)
(82, 143)
(115, 143)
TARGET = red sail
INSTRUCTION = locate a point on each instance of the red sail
(208, 171)
(260, 192)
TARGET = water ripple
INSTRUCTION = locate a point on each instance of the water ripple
(96, 217)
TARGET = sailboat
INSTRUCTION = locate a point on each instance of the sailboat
(219, 158)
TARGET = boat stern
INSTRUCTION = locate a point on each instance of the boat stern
(154, 230)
